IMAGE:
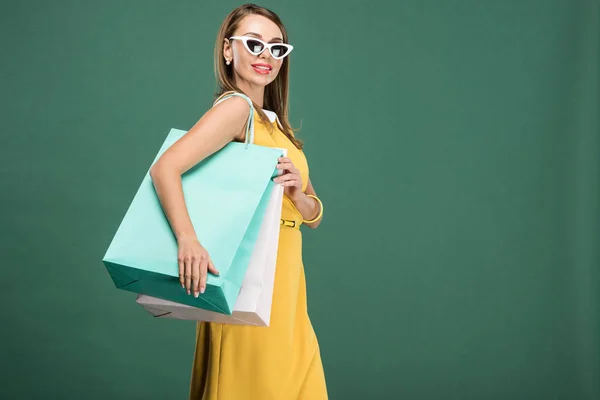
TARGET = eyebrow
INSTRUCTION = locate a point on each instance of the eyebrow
(260, 36)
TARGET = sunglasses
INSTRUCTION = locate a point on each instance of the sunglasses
(256, 47)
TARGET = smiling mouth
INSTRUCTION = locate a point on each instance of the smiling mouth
(262, 68)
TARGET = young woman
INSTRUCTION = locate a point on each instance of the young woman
(232, 362)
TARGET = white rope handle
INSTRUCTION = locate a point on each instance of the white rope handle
(249, 135)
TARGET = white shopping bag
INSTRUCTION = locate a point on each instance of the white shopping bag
(253, 305)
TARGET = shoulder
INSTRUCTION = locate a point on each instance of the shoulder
(232, 103)
(234, 109)
(230, 114)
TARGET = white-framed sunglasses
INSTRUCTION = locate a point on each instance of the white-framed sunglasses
(256, 46)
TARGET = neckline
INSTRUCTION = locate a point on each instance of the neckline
(271, 114)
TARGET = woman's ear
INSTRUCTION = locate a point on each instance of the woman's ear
(227, 51)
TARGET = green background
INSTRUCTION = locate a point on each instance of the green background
(455, 144)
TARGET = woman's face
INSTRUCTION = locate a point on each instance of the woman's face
(254, 70)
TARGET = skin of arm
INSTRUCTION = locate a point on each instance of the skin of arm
(220, 125)
(308, 207)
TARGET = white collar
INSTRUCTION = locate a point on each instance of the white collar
(272, 116)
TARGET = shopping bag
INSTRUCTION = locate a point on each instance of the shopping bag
(253, 305)
(226, 196)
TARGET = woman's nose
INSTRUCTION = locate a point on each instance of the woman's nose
(265, 55)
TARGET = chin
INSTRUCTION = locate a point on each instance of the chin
(260, 81)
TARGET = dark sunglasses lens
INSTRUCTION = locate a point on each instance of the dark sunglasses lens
(279, 51)
(255, 46)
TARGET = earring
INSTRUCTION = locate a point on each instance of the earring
(227, 62)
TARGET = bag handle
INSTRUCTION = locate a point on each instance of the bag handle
(249, 136)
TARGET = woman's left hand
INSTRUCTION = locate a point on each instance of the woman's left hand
(290, 179)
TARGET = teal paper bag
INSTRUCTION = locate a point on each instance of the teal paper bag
(226, 196)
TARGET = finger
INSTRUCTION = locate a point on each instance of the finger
(203, 268)
(289, 167)
(289, 178)
(188, 273)
(211, 267)
(286, 177)
(286, 165)
(196, 274)
(181, 271)
(285, 160)
(291, 183)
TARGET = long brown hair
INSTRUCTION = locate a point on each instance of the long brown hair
(276, 93)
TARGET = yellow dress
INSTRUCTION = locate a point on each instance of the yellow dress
(279, 362)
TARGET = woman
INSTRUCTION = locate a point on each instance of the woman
(233, 362)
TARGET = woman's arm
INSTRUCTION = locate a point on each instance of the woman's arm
(308, 207)
(219, 126)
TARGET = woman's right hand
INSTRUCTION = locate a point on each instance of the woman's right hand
(194, 262)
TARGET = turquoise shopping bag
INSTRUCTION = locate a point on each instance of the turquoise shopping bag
(226, 195)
